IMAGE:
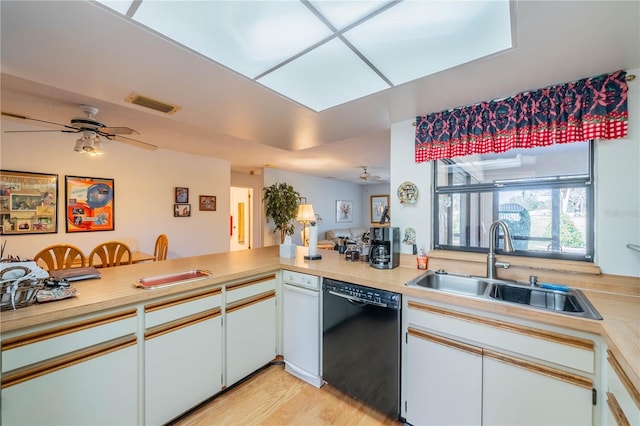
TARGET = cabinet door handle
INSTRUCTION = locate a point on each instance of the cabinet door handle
(616, 410)
(40, 369)
(474, 350)
(541, 369)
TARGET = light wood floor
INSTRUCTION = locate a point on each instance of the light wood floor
(275, 397)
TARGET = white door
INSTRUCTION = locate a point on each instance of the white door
(241, 218)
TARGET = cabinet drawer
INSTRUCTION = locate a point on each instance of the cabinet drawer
(29, 348)
(565, 350)
(244, 289)
(178, 307)
(625, 394)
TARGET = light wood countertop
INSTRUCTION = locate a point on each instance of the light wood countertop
(621, 312)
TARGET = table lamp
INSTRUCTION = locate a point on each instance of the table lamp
(306, 215)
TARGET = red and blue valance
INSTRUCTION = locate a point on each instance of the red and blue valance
(592, 108)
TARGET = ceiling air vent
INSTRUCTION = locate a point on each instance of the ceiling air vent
(143, 101)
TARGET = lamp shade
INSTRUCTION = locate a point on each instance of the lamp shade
(305, 213)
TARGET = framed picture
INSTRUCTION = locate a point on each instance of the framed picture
(378, 203)
(182, 210)
(208, 203)
(90, 204)
(28, 203)
(344, 211)
(182, 195)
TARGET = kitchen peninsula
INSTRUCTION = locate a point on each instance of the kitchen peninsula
(128, 319)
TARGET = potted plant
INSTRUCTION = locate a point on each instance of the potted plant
(281, 205)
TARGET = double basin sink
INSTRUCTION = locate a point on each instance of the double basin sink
(560, 299)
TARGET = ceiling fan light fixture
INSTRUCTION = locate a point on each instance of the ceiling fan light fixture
(78, 146)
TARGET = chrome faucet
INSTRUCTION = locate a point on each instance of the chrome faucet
(508, 248)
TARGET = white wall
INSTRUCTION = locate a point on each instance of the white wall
(144, 194)
(323, 194)
(617, 180)
(405, 169)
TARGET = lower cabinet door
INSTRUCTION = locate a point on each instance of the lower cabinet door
(444, 381)
(523, 393)
(251, 336)
(183, 367)
(101, 390)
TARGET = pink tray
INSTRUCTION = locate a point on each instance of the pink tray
(171, 279)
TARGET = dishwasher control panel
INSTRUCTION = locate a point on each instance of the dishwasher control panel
(362, 293)
(311, 282)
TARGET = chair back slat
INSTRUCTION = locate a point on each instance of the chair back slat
(161, 248)
(60, 256)
(110, 253)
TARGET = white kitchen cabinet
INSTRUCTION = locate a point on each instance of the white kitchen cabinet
(623, 399)
(76, 372)
(183, 354)
(515, 391)
(250, 327)
(528, 376)
(444, 386)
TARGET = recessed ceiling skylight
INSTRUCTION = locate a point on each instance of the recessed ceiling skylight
(323, 53)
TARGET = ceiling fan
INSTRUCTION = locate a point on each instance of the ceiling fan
(365, 175)
(91, 130)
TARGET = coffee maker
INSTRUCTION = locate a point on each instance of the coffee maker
(385, 247)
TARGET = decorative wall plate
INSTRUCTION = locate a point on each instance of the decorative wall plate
(408, 193)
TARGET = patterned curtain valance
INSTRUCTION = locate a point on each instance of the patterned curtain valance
(592, 108)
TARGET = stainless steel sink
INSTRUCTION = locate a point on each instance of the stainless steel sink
(571, 302)
(461, 284)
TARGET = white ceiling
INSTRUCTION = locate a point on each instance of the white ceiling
(58, 54)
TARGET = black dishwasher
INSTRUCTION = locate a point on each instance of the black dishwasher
(361, 343)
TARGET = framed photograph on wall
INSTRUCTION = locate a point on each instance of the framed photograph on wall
(90, 204)
(378, 203)
(182, 210)
(28, 203)
(208, 203)
(181, 195)
(344, 211)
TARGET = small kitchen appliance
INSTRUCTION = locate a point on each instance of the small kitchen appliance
(385, 247)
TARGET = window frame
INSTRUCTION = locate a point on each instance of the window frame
(547, 183)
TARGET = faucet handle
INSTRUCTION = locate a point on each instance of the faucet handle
(504, 265)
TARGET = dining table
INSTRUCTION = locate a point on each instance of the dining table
(136, 257)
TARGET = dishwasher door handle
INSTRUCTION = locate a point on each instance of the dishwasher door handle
(356, 301)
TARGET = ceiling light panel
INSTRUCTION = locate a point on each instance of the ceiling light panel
(417, 38)
(325, 77)
(344, 13)
(249, 37)
(117, 5)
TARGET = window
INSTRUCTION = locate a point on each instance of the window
(544, 195)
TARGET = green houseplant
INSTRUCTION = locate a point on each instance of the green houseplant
(281, 205)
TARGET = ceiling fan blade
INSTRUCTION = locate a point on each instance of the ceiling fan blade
(119, 130)
(23, 117)
(31, 131)
(133, 142)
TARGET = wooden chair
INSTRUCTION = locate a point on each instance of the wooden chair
(162, 247)
(111, 253)
(60, 256)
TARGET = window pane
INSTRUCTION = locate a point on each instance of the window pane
(563, 160)
(551, 221)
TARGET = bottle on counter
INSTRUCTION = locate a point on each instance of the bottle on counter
(422, 258)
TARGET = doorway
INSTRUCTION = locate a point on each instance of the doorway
(241, 218)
